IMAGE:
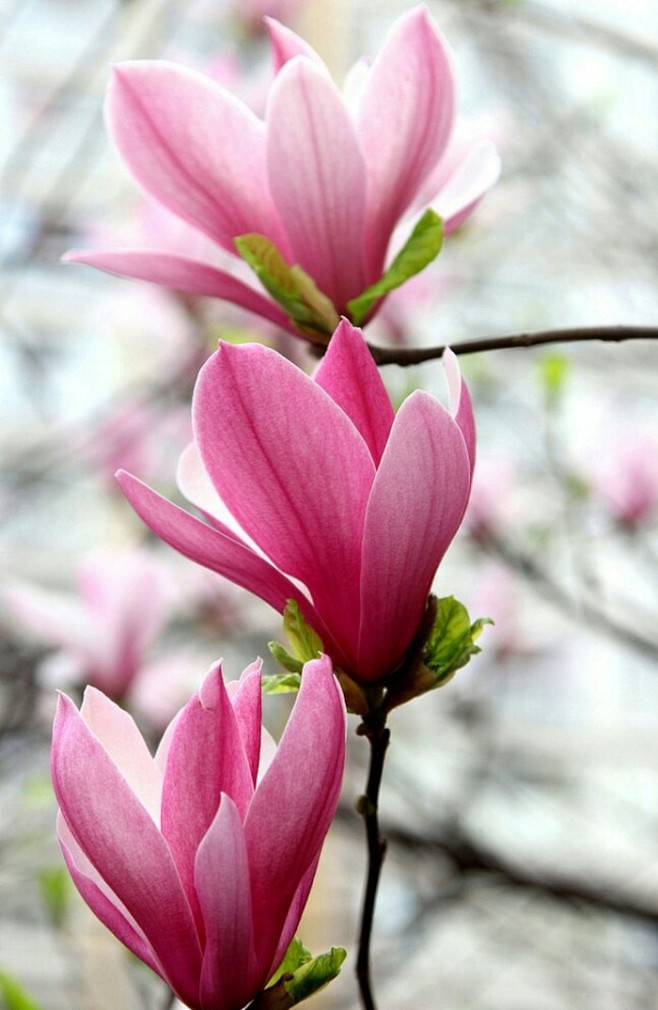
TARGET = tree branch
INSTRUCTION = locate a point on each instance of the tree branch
(405, 356)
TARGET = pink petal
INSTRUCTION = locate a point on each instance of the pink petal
(231, 974)
(104, 904)
(193, 481)
(217, 549)
(417, 503)
(348, 373)
(318, 178)
(292, 469)
(404, 122)
(119, 838)
(476, 171)
(294, 804)
(194, 147)
(297, 906)
(286, 44)
(247, 706)
(461, 407)
(115, 729)
(206, 758)
(182, 274)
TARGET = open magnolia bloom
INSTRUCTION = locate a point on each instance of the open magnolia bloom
(314, 490)
(201, 859)
(312, 194)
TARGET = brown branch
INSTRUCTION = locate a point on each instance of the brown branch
(404, 356)
(377, 734)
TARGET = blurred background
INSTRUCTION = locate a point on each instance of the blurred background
(521, 801)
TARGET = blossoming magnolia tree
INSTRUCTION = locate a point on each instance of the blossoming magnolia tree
(315, 495)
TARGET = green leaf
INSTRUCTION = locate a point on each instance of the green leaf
(295, 957)
(294, 290)
(13, 995)
(54, 886)
(451, 642)
(313, 975)
(422, 246)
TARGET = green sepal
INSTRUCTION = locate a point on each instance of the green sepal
(422, 246)
(296, 955)
(305, 644)
(284, 659)
(13, 996)
(314, 975)
(280, 683)
(294, 290)
(299, 976)
(451, 641)
(444, 644)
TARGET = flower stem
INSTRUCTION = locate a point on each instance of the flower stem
(374, 728)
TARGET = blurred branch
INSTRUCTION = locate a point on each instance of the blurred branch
(551, 590)
(469, 857)
(405, 356)
(575, 28)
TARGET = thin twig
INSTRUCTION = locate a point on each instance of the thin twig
(404, 356)
(378, 735)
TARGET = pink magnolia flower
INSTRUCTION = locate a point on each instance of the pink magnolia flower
(326, 178)
(201, 859)
(326, 496)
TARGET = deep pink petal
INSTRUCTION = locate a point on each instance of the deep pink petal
(216, 549)
(294, 804)
(206, 758)
(404, 122)
(182, 274)
(120, 839)
(417, 503)
(247, 706)
(297, 906)
(318, 178)
(286, 44)
(104, 904)
(194, 147)
(219, 549)
(348, 373)
(231, 974)
(292, 469)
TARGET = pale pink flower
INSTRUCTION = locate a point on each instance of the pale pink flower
(628, 482)
(326, 178)
(326, 496)
(201, 859)
(124, 599)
